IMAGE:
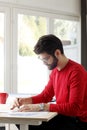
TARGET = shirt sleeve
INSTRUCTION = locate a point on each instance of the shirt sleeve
(46, 95)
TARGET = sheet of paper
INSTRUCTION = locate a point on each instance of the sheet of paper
(27, 113)
(4, 108)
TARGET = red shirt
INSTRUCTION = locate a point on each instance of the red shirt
(69, 86)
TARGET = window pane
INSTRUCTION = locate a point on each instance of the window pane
(32, 74)
(1, 51)
(67, 31)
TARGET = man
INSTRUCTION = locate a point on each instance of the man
(67, 82)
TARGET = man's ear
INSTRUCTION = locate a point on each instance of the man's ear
(57, 52)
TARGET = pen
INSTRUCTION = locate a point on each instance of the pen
(18, 102)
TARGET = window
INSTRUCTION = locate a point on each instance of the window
(5, 48)
(20, 69)
(32, 74)
(67, 31)
(1, 51)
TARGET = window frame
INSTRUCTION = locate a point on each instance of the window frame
(7, 44)
(10, 50)
(50, 16)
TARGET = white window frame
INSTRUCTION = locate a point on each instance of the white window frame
(10, 60)
(16, 11)
(7, 45)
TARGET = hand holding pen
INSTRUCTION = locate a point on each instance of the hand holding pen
(21, 101)
(15, 104)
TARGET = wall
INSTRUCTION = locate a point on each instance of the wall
(70, 7)
(84, 33)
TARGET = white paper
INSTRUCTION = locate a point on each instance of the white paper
(27, 113)
(4, 107)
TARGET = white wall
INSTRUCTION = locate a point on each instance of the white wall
(70, 7)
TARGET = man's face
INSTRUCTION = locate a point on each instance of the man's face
(49, 61)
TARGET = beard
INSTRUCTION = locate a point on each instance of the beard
(53, 64)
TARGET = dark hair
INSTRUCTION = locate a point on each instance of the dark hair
(48, 43)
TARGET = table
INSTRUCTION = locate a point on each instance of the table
(25, 119)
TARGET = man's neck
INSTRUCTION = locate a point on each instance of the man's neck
(62, 62)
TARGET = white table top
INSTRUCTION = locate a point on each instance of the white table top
(24, 118)
(37, 116)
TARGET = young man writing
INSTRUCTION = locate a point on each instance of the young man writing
(67, 82)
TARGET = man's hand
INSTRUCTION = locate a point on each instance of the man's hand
(33, 108)
(21, 101)
(29, 108)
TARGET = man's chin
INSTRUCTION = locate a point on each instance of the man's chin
(50, 68)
